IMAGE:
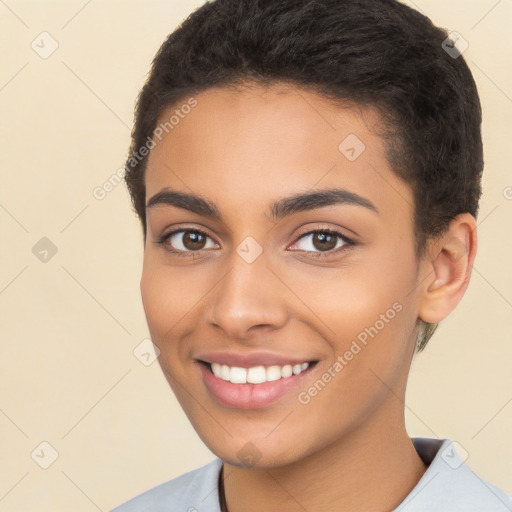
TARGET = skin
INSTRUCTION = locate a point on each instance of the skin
(348, 448)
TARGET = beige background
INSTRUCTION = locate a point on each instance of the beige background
(68, 374)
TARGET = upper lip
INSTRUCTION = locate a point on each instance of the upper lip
(250, 360)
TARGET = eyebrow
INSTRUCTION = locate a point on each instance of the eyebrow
(282, 208)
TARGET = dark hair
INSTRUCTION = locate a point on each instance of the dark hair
(377, 53)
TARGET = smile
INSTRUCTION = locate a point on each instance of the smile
(256, 374)
(253, 387)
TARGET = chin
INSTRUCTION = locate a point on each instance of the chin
(258, 452)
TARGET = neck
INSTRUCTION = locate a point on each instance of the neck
(372, 468)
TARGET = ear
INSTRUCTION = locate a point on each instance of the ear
(447, 269)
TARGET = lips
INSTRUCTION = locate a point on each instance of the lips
(251, 381)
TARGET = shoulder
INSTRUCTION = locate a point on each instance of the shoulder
(194, 491)
(450, 484)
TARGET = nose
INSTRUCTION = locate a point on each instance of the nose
(248, 299)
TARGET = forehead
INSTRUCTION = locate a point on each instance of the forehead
(261, 143)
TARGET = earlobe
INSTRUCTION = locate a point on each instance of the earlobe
(448, 269)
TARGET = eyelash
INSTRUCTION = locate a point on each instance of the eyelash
(349, 243)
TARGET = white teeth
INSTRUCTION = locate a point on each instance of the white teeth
(273, 373)
(238, 375)
(287, 370)
(256, 374)
(216, 369)
(224, 372)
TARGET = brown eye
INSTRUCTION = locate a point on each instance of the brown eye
(323, 243)
(187, 240)
(193, 240)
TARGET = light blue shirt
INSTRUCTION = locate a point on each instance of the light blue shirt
(448, 485)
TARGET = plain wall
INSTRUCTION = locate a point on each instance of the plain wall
(69, 326)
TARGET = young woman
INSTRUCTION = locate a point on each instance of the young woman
(307, 175)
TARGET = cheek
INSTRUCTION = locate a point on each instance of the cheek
(367, 315)
(348, 302)
(165, 298)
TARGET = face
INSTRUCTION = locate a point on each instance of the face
(254, 272)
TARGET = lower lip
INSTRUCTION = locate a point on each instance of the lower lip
(249, 396)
